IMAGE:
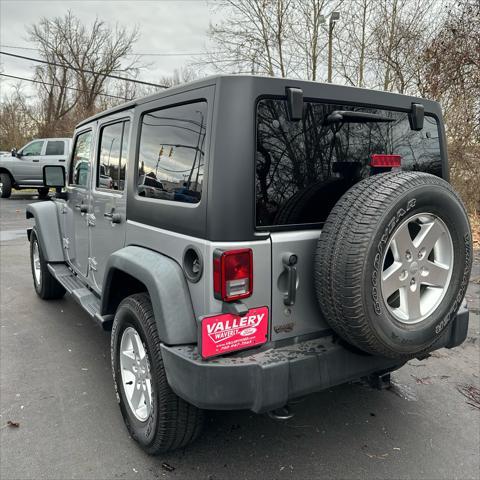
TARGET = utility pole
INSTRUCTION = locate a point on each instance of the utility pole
(334, 16)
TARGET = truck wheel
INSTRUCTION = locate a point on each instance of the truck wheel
(155, 416)
(43, 192)
(391, 269)
(6, 181)
(46, 285)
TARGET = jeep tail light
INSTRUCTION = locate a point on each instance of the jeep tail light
(232, 274)
(385, 160)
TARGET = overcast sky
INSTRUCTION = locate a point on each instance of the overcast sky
(166, 26)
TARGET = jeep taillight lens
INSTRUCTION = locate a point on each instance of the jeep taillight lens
(232, 274)
(383, 160)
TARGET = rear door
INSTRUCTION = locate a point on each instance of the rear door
(108, 200)
(55, 153)
(302, 169)
(77, 207)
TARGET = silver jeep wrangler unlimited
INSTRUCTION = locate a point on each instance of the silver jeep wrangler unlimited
(251, 240)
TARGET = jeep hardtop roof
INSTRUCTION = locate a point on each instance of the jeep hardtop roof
(365, 96)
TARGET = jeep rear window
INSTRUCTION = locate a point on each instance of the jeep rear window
(303, 167)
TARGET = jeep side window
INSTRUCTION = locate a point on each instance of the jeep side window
(80, 166)
(35, 148)
(55, 147)
(171, 158)
(113, 156)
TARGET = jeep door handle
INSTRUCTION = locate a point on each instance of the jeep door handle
(289, 261)
(35, 161)
(61, 160)
(114, 217)
(82, 207)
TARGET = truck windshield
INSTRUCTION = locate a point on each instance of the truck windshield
(303, 167)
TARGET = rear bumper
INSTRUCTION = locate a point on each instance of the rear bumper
(266, 380)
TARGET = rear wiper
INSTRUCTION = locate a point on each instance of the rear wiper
(347, 116)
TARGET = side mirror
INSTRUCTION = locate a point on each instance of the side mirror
(14, 152)
(54, 176)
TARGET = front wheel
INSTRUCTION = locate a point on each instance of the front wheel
(155, 416)
(45, 284)
(6, 187)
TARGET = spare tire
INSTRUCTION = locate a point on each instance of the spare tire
(392, 263)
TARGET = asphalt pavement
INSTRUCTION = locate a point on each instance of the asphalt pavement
(56, 384)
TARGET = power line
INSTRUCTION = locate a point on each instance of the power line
(159, 54)
(55, 85)
(117, 77)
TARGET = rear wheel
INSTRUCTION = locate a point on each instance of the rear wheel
(392, 268)
(155, 416)
(45, 284)
(6, 188)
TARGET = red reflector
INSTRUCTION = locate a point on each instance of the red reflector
(225, 332)
(384, 160)
(232, 274)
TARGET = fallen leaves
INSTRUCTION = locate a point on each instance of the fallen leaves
(11, 424)
(472, 393)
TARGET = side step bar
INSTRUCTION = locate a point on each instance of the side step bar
(87, 299)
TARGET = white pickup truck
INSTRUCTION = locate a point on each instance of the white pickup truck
(24, 167)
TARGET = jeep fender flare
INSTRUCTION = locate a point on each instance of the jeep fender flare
(166, 284)
(47, 229)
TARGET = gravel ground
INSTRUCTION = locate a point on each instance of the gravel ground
(55, 381)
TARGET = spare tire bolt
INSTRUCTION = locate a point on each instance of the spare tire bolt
(421, 253)
(408, 256)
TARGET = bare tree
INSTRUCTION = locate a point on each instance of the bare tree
(17, 120)
(252, 38)
(89, 54)
(451, 75)
(355, 42)
(402, 30)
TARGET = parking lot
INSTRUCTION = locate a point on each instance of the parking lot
(55, 381)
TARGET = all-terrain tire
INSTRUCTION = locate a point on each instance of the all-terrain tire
(45, 284)
(351, 250)
(172, 422)
(6, 182)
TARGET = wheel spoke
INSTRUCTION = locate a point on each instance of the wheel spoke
(411, 299)
(428, 235)
(128, 362)
(137, 395)
(137, 348)
(390, 278)
(401, 242)
(437, 275)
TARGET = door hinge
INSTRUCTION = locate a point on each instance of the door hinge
(66, 243)
(91, 219)
(92, 263)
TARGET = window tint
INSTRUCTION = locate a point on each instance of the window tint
(113, 156)
(302, 168)
(55, 147)
(171, 158)
(80, 166)
(35, 148)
